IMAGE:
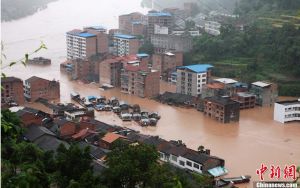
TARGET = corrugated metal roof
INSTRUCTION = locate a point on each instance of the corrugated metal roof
(197, 68)
(226, 80)
(261, 84)
(124, 36)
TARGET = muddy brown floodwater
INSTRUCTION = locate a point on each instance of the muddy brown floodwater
(256, 139)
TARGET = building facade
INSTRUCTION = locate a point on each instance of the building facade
(191, 79)
(286, 111)
(266, 93)
(12, 90)
(36, 88)
(125, 45)
(246, 100)
(161, 19)
(110, 72)
(222, 109)
(129, 22)
(82, 44)
(140, 81)
(172, 42)
(166, 63)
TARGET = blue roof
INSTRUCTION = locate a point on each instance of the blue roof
(86, 35)
(159, 14)
(198, 68)
(141, 55)
(91, 97)
(124, 36)
(240, 84)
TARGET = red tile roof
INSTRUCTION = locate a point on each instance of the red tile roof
(83, 133)
(111, 137)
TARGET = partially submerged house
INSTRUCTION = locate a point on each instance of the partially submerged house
(266, 93)
(222, 109)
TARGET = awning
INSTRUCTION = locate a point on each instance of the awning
(218, 171)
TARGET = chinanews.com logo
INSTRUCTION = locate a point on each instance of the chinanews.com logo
(285, 177)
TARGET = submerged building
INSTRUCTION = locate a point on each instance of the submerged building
(286, 111)
(222, 109)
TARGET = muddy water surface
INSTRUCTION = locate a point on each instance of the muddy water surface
(256, 139)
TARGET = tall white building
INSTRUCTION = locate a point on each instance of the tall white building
(125, 45)
(286, 111)
(192, 78)
(80, 44)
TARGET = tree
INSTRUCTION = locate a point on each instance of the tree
(71, 163)
(147, 48)
(130, 166)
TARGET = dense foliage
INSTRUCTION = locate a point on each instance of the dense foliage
(23, 164)
(15, 9)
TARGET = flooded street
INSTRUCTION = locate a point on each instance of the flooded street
(256, 139)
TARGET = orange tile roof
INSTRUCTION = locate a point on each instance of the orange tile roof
(111, 137)
(215, 86)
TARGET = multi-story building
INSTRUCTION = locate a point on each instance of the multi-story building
(101, 38)
(110, 69)
(125, 45)
(192, 78)
(133, 23)
(162, 19)
(89, 42)
(166, 63)
(36, 88)
(222, 109)
(110, 72)
(172, 42)
(138, 79)
(286, 111)
(86, 70)
(12, 90)
(212, 28)
(193, 33)
(266, 93)
(246, 100)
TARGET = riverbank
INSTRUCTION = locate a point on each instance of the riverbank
(16, 9)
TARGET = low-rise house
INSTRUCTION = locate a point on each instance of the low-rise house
(12, 91)
(266, 93)
(36, 88)
(65, 128)
(43, 138)
(109, 138)
(287, 111)
(76, 114)
(180, 156)
(83, 133)
(192, 78)
(222, 109)
(30, 116)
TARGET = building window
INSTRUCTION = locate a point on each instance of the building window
(174, 158)
(181, 163)
(196, 166)
(188, 163)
